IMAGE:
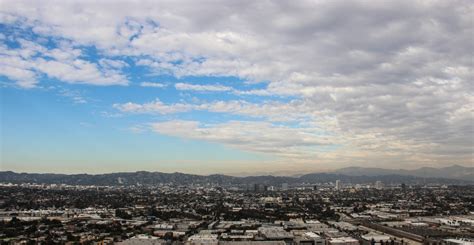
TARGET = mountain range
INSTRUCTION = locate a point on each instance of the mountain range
(356, 175)
(451, 172)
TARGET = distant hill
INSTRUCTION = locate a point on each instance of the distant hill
(347, 175)
(451, 172)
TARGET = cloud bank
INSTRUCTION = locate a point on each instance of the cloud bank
(387, 83)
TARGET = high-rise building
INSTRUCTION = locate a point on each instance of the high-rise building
(338, 185)
(251, 187)
(261, 188)
(378, 185)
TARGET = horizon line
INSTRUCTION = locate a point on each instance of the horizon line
(237, 174)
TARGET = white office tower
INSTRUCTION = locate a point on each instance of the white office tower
(338, 185)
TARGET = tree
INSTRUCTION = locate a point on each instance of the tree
(122, 214)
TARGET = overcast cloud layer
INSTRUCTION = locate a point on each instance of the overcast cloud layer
(369, 83)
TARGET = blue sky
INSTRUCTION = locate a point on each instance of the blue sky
(234, 88)
(58, 124)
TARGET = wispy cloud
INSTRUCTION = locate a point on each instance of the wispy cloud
(153, 84)
(202, 88)
(268, 110)
(74, 95)
(260, 137)
(156, 106)
(221, 88)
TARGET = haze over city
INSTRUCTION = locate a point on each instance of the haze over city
(235, 87)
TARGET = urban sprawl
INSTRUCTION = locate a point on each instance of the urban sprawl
(320, 214)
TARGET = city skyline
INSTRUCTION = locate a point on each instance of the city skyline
(235, 87)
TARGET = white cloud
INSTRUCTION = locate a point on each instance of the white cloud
(260, 137)
(153, 84)
(259, 92)
(26, 64)
(25, 78)
(272, 111)
(153, 107)
(79, 71)
(220, 88)
(202, 88)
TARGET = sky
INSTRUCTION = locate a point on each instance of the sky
(236, 87)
